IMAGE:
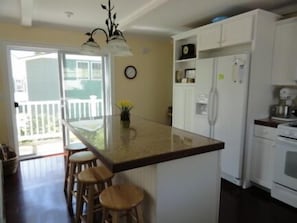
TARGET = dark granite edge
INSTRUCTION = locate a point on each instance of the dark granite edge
(165, 157)
(268, 122)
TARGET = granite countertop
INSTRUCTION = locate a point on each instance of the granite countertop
(269, 122)
(143, 143)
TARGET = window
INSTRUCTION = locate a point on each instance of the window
(96, 70)
(82, 70)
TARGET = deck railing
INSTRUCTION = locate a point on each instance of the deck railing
(42, 119)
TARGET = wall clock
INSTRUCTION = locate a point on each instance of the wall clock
(130, 72)
(188, 51)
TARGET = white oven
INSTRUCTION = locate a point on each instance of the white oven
(285, 165)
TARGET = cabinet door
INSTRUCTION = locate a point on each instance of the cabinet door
(262, 162)
(189, 109)
(209, 38)
(284, 66)
(237, 31)
(183, 107)
(178, 108)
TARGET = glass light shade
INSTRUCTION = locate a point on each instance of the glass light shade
(117, 46)
(91, 47)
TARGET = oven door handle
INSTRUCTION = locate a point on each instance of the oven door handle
(287, 140)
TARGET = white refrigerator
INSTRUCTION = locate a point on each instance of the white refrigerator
(221, 103)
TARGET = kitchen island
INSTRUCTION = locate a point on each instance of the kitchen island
(178, 170)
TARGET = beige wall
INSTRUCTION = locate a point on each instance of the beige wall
(150, 91)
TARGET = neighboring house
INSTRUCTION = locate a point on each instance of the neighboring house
(83, 78)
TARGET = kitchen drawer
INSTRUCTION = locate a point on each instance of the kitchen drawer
(265, 132)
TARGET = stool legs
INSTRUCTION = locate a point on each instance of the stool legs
(91, 182)
(139, 214)
(70, 150)
(90, 204)
(70, 187)
(74, 169)
(85, 192)
(79, 203)
(66, 172)
(115, 215)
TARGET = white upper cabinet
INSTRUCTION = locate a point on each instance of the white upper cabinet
(284, 68)
(229, 32)
(237, 31)
(210, 38)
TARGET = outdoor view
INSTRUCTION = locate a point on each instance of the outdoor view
(37, 92)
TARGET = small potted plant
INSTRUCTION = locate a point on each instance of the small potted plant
(125, 107)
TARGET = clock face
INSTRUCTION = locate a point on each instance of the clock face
(130, 72)
(186, 50)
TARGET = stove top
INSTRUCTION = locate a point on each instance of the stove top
(293, 124)
(284, 119)
(288, 130)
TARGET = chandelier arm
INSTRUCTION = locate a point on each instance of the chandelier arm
(116, 42)
(111, 23)
(95, 30)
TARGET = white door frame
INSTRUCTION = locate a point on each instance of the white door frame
(8, 86)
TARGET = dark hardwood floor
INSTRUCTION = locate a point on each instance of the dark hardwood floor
(35, 195)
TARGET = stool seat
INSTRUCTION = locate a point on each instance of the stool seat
(82, 157)
(91, 182)
(95, 175)
(76, 147)
(121, 197)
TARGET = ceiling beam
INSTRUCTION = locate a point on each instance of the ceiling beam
(153, 4)
(26, 12)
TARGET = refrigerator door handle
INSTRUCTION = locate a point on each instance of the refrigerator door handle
(210, 106)
(215, 106)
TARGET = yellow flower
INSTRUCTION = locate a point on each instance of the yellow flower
(125, 105)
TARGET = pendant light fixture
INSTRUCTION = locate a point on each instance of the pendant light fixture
(116, 42)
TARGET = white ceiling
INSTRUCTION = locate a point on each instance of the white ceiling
(161, 17)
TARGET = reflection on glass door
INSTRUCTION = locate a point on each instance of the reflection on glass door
(37, 96)
(83, 88)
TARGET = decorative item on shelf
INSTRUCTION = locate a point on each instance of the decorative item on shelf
(179, 75)
(116, 42)
(188, 51)
(9, 158)
(190, 74)
(125, 106)
(218, 18)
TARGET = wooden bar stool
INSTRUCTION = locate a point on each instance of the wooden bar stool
(77, 162)
(91, 182)
(70, 150)
(119, 199)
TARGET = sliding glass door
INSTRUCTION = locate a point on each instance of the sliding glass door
(83, 88)
(35, 75)
(50, 86)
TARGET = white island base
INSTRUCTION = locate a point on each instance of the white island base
(181, 190)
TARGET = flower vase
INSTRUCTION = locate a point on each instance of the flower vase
(125, 118)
